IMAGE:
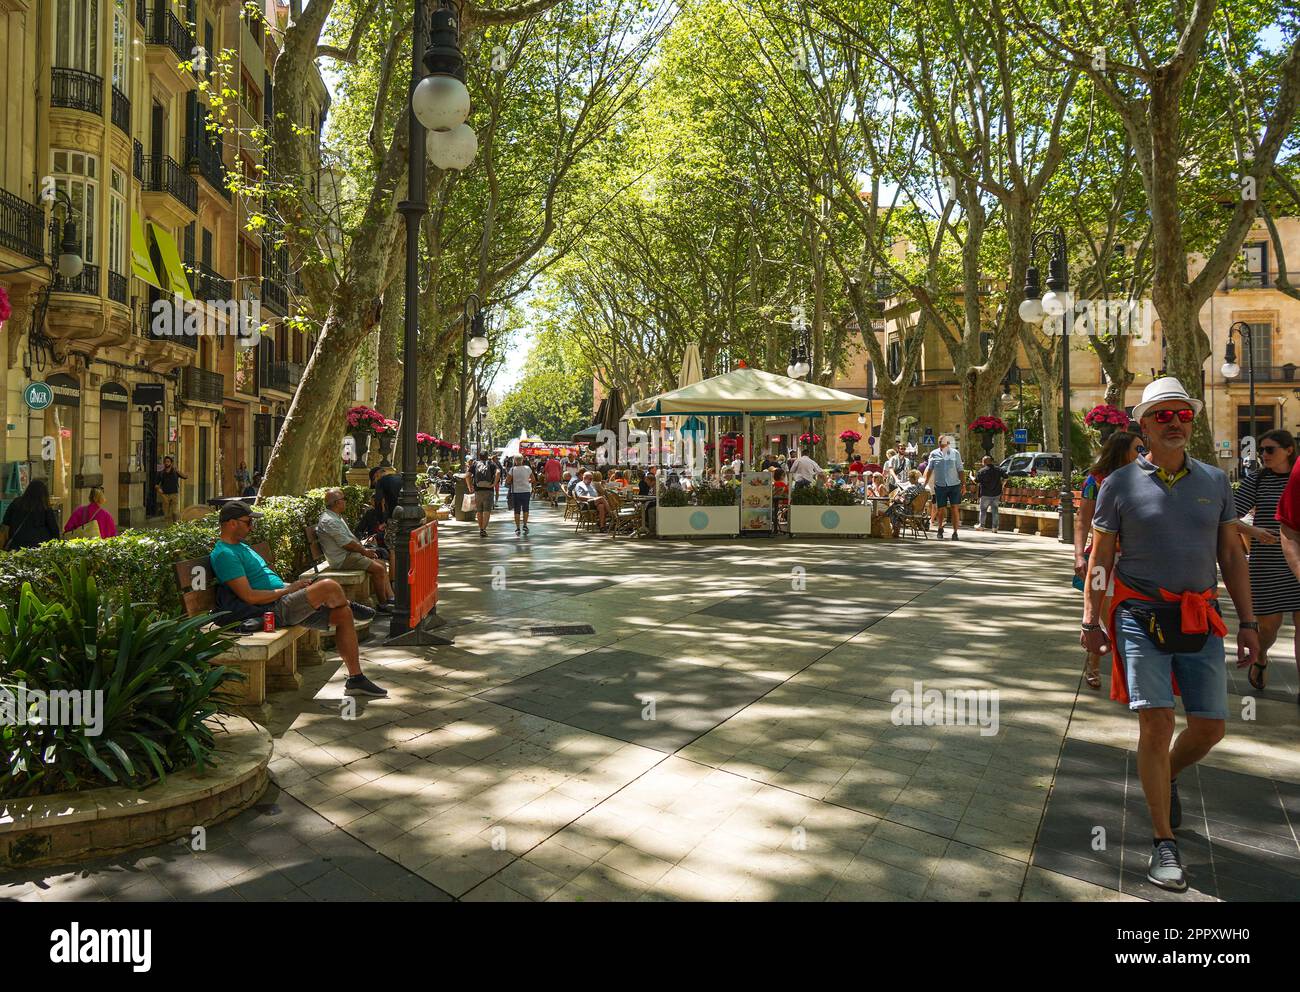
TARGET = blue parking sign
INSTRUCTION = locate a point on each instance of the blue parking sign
(1020, 435)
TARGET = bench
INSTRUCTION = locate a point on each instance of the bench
(1046, 523)
(355, 582)
(269, 661)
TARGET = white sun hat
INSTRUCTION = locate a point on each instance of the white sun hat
(1160, 390)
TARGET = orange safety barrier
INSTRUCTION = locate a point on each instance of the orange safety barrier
(423, 577)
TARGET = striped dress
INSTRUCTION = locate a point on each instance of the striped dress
(1273, 586)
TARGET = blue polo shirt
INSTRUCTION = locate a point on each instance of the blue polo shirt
(946, 467)
(1168, 526)
(235, 561)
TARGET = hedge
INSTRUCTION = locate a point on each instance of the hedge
(140, 561)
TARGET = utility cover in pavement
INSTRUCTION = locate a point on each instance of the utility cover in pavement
(573, 628)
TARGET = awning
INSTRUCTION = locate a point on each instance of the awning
(171, 263)
(752, 391)
(141, 264)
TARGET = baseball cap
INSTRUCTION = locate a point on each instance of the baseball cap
(236, 510)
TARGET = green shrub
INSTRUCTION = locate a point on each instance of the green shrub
(712, 494)
(808, 496)
(152, 674)
(672, 496)
(839, 496)
(139, 562)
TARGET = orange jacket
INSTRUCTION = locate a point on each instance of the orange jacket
(1197, 618)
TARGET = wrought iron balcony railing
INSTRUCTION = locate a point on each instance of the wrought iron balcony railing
(162, 174)
(87, 282)
(77, 90)
(121, 111)
(165, 28)
(201, 386)
(117, 287)
(208, 285)
(20, 226)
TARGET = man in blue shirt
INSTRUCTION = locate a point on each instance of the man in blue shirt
(252, 588)
(944, 469)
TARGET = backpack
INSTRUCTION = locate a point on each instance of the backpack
(484, 475)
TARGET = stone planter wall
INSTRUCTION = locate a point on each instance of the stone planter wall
(697, 521)
(74, 826)
(839, 521)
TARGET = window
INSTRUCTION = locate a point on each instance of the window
(986, 344)
(250, 262)
(121, 42)
(76, 35)
(249, 96)
(207, 248)
(77, 175)
(895, 359)
(1255, 264)
(117, 222)
(1261, 347)
(209, 47)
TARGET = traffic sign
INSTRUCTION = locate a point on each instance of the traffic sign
(928, 439)
(38, 396)
(1020, 435)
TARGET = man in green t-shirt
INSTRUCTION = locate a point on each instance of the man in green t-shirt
(318, 604)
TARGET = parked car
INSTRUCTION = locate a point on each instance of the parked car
(1032, 463)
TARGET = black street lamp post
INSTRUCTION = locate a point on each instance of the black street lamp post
(1056, 304)
(473, 344)
(1231, 370)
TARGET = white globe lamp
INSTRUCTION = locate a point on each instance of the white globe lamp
(440, 102)
(452, 149)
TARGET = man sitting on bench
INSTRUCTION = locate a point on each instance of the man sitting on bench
(248, 588)
(343, 550)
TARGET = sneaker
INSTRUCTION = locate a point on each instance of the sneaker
(482, 533)
(939, 532)
(954, 535)
(525, 528)
(1166, 868)
(978, 527)
(516, 532)
(1175, 807)
(385, 608)
(359, 685)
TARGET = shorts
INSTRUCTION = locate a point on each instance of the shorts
(553, 487)
(353, 561)
(484, 500)
(1202, 677)
(518, 501)
(947, 496)
(295, 610)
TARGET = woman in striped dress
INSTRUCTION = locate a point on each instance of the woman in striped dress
(1274, 589)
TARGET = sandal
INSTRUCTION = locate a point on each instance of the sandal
(1092, 676)
(1258, 686)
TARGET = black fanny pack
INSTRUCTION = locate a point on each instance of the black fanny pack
(1163, 625)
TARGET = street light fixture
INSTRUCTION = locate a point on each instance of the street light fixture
(474, 344)
(1054, 305)
(1231, 370)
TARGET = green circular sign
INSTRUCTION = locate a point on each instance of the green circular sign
(38, 396)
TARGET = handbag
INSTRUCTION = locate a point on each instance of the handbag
(89, 530)
(1162, 623)
(467, 503)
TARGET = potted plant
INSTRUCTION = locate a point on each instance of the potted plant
(1106, 419)
(987, 428)
(386, 433)
(850, 438)
(716, 513)
(363, 422)
(809, 441)
(424, 445)
(835, 510)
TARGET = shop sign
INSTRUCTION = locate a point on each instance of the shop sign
(112, 396)
(38, 396)
(149, 396)
(66, 389)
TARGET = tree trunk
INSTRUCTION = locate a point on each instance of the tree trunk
(388, 347)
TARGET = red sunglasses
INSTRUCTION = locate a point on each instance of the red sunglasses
(1165, 416)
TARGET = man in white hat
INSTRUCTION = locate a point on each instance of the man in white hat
(1174, 518)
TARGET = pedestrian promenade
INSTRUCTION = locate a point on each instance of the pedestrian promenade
(752, 720)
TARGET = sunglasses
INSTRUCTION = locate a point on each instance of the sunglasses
(1165, 416)
(1268, 449)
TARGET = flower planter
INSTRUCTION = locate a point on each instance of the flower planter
(697, 521)
(361, 439)
(385, 450)
(840, 521)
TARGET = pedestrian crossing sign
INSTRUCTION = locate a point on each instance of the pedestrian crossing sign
(928, 439)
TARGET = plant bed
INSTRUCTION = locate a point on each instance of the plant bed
(72, 826)
(840, 521)
(697, 521)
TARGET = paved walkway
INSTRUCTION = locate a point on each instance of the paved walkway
(733, 728)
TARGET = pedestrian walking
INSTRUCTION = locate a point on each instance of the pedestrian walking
(482, 479)
(520, 491)
(1175, 518)
(1118, 451)
(989, 480)
(29, 521)
(93, 519)
(1274, 589)
(169, 488)
(944, 471)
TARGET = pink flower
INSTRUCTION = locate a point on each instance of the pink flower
(6, 310)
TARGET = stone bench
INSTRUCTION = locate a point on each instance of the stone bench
(355, 582)
(1046, 523)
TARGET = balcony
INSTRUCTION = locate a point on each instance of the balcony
(87, 282)
(20, 226)
(121, 111)
(137, 161)
(169, 188)
(1250, 280)
(1264, 373)
(117, 287)
(275, 297)
(162, 27)
(142, 11)
(201, 386)
(207, 284)
(77, 90)
(283, 376)
(206, 152)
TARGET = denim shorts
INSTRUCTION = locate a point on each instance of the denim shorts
(947, 495)
(1202, 677)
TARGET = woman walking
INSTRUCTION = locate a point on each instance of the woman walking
(1120, 449)
(1274, 589)
(30, 519)
(92, 513)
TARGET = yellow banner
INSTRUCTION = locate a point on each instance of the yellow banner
(141, 264)
(171, 263)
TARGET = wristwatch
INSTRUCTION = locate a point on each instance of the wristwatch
(1248, 625)
(1092, 626)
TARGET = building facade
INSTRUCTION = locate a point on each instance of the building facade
(105, 108)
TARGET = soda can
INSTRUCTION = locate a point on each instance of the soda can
(268, 622)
